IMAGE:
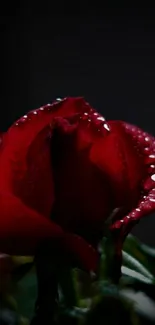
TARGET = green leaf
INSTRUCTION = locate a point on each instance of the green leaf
(148, 250)
(135, 265)
(143, 305)
(142, 253)
(20, 271)
(67, 285)
(136, 276)
(112, 261)
(111, 310)
(132, 246)
(26, 295)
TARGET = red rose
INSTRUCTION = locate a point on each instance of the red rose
(64, 170)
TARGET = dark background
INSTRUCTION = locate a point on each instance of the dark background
(106, 56)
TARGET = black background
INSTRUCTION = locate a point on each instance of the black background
(106, 55)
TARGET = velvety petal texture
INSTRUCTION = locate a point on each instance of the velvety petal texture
(64, 170)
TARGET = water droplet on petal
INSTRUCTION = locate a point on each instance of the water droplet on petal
(106, 126)
(151, 199)
(151, 168)
(146, 150)
(22, 120)
(100, 118)
(153, 177)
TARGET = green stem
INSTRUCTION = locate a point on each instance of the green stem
(113, 259)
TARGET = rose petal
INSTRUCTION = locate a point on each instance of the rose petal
(21, 228)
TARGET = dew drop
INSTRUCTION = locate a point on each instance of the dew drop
(146, 150)
(22, 120)
(100, 118)
(106, 126)
(153, 177)
(151, 199)
(152, 156)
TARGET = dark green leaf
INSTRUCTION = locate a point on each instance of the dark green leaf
(136, 276)
(134, 264)
(67, 285)
(26, 295)
(20, 271)
(149, 251)
(142, 253)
